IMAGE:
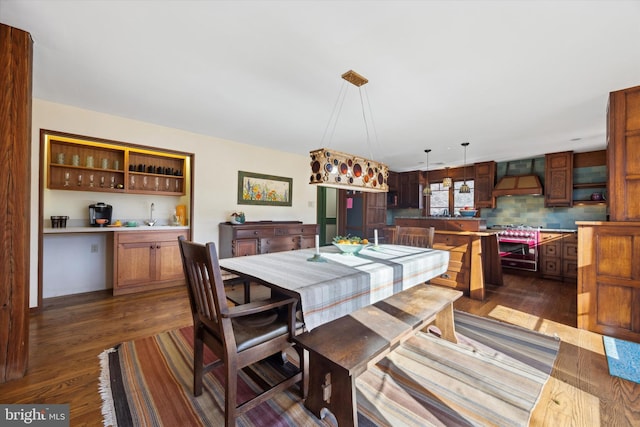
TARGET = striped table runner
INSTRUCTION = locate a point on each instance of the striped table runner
(346, 282)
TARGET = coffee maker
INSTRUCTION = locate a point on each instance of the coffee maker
(100, 211)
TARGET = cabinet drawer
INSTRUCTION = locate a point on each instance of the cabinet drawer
(570, 251)
(570, 268)
(253, 232)
(278, 244)
(550, 250)
(307, 229)
(452, 279)
(451, 240)
(551, 266)
(149, 236)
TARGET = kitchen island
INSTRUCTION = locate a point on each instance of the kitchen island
(474, 255)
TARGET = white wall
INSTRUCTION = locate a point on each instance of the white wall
(215, 169)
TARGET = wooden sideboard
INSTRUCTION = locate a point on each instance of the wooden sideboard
(263, 237)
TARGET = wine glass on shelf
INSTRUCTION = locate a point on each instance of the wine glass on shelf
(145, 181)
(166, 184)
(66, 179)
(79, 180)
(91, 180)
(156, 183)
(102, 181)
(113, 182)
(132, 182)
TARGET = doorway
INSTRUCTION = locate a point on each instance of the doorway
(327, 202)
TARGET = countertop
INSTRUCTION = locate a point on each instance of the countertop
(68, 230)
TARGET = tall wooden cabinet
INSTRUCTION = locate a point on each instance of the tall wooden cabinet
(623, 154)
(608, 253)
(16, 51)
(558, 179)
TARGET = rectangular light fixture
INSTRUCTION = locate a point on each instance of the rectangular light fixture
(331, 168)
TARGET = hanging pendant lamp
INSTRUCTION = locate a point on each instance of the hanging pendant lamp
(427, 186)
(332, 168)
(446, 181)
(464, 188)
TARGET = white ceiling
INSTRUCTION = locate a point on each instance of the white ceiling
(516, 79)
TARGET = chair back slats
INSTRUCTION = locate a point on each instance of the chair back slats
(207, 296)
(415, 236)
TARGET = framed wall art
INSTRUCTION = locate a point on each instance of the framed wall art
(259, 189)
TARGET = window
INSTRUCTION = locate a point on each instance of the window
(460, 200)
(441, 197)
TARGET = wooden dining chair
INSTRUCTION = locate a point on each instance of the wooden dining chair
(239, 335)
(415, 236)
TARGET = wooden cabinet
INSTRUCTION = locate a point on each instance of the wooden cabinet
(16, 51)
(559, 255)
(483, 181)
(623, 154)
(80, 163)
(252, 238)
(410, 195)
(146, 260)
(393, 195)
(558, 180)
(609, 278)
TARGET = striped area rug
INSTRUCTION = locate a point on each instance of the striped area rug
(493, 376)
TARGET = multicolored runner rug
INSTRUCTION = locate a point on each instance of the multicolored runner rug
(493, 376)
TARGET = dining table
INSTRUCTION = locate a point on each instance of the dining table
(330, 284)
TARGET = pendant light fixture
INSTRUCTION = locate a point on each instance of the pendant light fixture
(332, 168)
(427, 186)
(464, 188)
(446, 181)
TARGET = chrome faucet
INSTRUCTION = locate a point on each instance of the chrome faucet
(445, 212)
(151, 222)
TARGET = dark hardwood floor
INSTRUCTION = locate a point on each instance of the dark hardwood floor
(67, 336)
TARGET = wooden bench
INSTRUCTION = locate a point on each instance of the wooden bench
(344, 348)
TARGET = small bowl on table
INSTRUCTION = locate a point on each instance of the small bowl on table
(349, 248)
(468, 213)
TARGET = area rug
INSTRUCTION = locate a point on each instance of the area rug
(623, 358)
(493, 376)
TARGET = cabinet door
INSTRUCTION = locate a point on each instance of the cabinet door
(135, 263)
(376, 213)
(410, 193)
(168, 261)
(623, 154)
(393, 195)
(483, 182)
(243, 247)
(558, 179)
(609, 280)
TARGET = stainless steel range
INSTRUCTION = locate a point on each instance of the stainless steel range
(519, 247)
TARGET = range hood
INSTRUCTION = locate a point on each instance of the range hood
(518, 185)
